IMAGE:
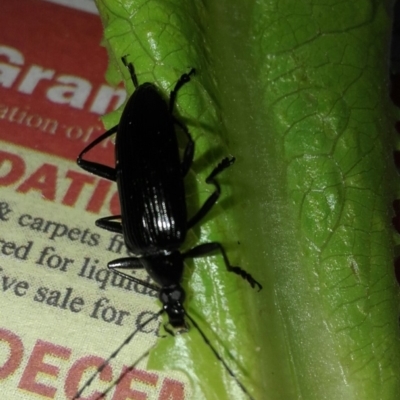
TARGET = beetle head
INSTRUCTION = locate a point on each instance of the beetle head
(172, 298)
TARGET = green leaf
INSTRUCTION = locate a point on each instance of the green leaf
(298, 92)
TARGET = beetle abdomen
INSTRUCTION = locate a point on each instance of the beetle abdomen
(154, 212)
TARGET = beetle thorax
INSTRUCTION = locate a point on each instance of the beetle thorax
(165, 268)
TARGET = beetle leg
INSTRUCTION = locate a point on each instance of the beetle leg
(189, 149)
(108, 224)
(131, 70)
(185, 78)
(130, 263)
(126, 263)
(206, 248)
(206, 207)
(101, 170)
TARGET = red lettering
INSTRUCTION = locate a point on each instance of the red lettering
(99, 195)
(44, 180)
(16, 353)
(73, 381)
(75, 188)
(123, 390)
(17, 168)
(172, 390)
(114, 204)
(79, 373)
(36, 366)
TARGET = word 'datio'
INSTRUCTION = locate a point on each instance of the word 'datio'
(45, 180)
(43, 365)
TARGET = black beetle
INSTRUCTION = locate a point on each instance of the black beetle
(149, 175)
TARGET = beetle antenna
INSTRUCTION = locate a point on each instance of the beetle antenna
(115, 353)
(219, 357)
(126, 372)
